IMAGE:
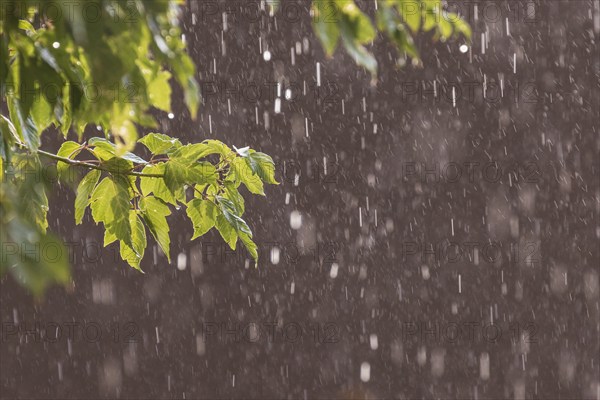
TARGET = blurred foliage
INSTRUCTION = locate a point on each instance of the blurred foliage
(35, 258)
(398, 20)
(109, 63)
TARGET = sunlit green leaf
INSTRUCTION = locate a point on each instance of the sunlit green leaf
(85, 188)
(105, 150)
(155, 214)
(159, 91)
(175, 175)
(69, 150)
(445, 28)
(230, 213)
(227, 231)
(325, 23)
(202, 213)
(411, 12)
(359, 23)
(231, 193)
(262, 165)
(250, 246)
(158, 143)
(134, 253)
(38, 269)
(158, 187)
(245, 174)
(110, 205)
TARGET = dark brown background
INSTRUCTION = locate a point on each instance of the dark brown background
(543, 135)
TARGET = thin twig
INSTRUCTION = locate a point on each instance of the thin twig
(91, 166)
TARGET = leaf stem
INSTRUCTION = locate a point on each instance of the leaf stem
(85, 164)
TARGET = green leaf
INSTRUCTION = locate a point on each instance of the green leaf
(24, 125)
(189, 152)
(262, 165)
(159, 91)
(244, 173)
(42, 113)
(85, 188)
(4, 62)
(430, 20)
(37, 206)
(109, 237)
(175, 175)
(117, 165)
(158, 143)
(68, 150)
(66, 111)
(360, 24)
(155, 214)
(184, 69)
(325, 26)
(230, 213)
(38, 270)
(360, 54)
(226, 231)
(445, 28)
(250, 246)
(110, 205)
(229, 224)
(181, 170)
(411, 13)
(134, 253)
(388, 23)
(105, 149)
(195, 151)
(201, 173)
(8, 132)
(236, 198)
(158, 187)
(202, 213)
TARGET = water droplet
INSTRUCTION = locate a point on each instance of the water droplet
(277, 106)
(181, 261)
(334, 271)
(365, 372)
(275, 255)
(267, 55)
(295, 220)
(373, 341)
(463, 48)
(484, 366)
(56, 45)
(171, 115)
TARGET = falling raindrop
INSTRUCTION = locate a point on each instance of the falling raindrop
(295, 220)
(275, 252)
(181, 261)
(319, 74)
(277, 105)
(334, 271)
(373, 341)
(365, 371)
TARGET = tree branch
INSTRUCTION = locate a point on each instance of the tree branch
(90, 166)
